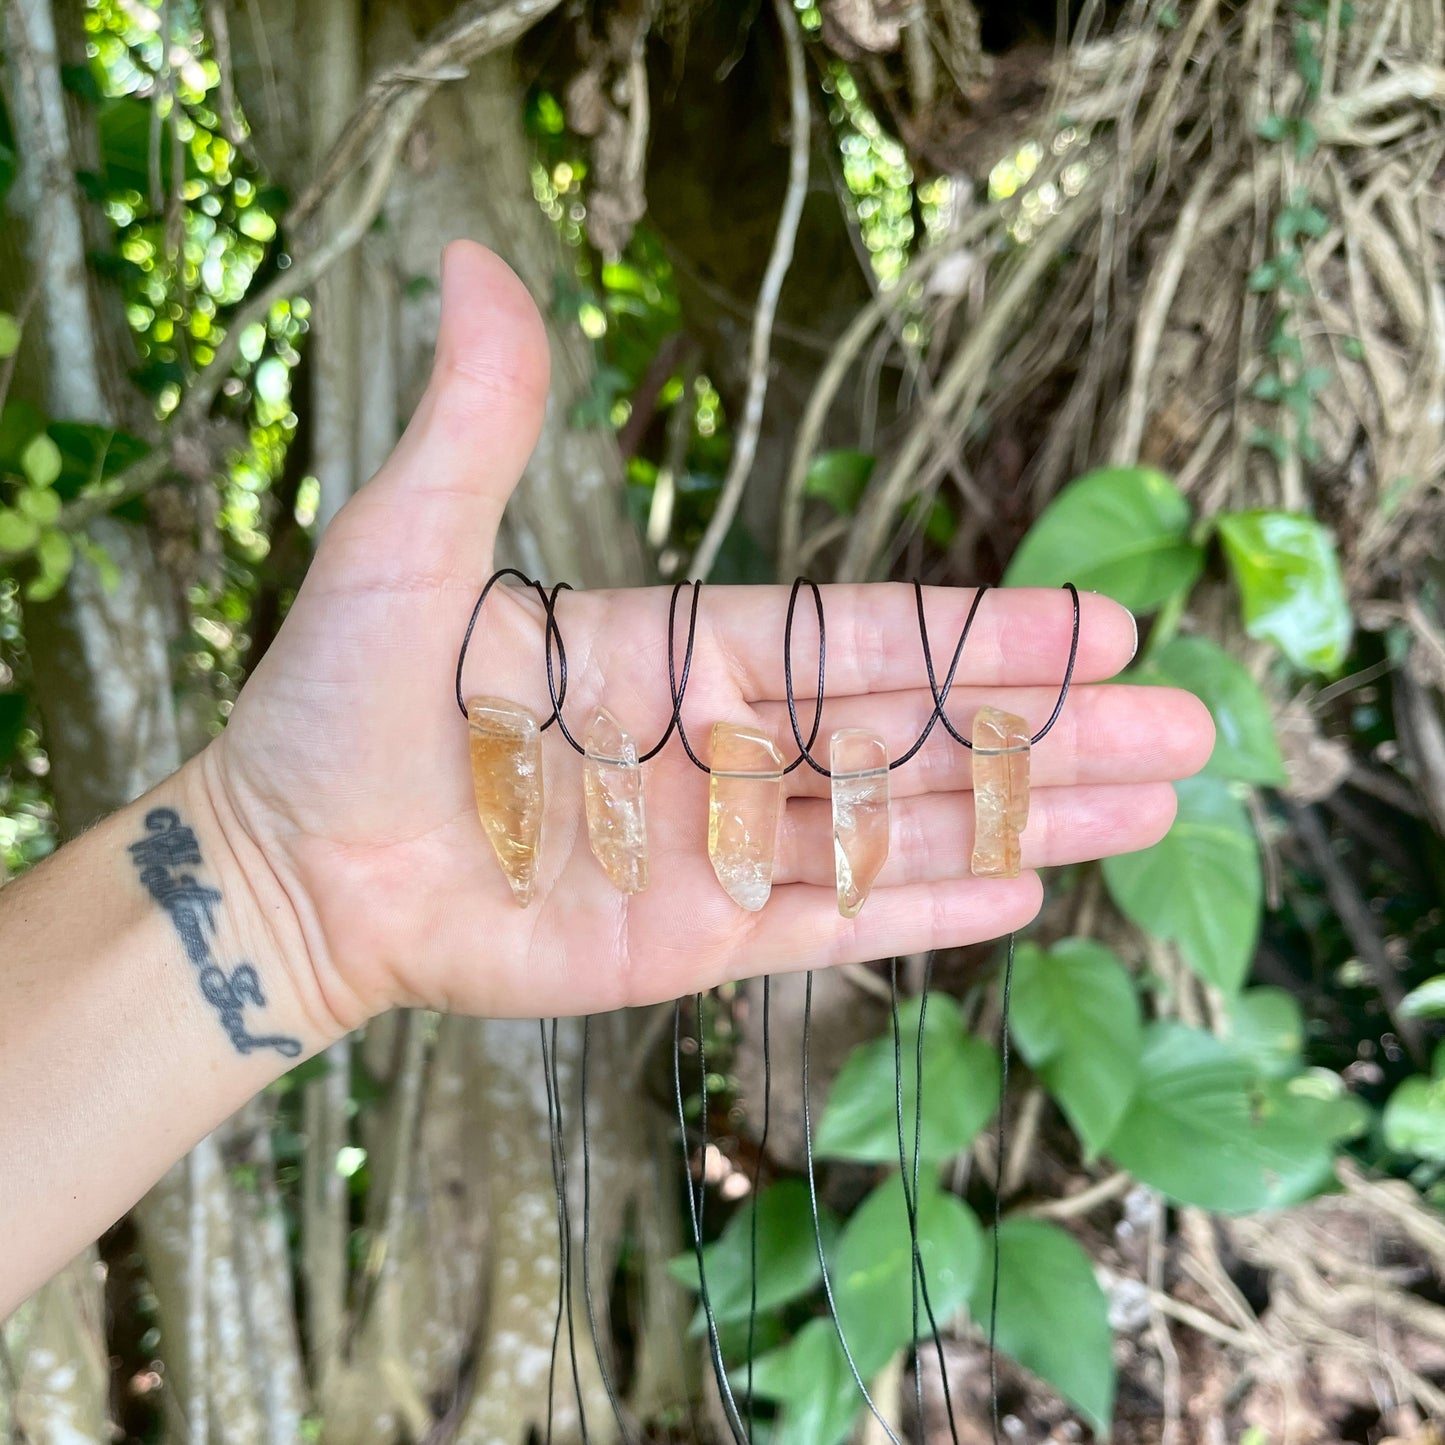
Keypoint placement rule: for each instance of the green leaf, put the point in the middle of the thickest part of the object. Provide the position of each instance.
(1204, 1129)
(872, 1281)
(40, 461)
(1267, 1030)
(839, 478)
(18, 533)
(13, 708)
(1052, 1316)
(787, 1254)
(9, 335)
(40, 504)
(1288, 574)
(1201, 885)
(810, 1377)
(960, 1090)
(91, 453)
(1122, 530)
(1076, 1018)
(1427, 1001)
(1245, 747)
(1414, 1118)
(55, 555)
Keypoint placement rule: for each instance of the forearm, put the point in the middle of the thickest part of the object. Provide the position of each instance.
(153, 977)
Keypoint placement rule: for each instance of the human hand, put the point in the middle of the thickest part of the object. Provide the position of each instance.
(345, 763)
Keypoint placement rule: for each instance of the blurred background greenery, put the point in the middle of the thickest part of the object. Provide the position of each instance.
(1144, 296)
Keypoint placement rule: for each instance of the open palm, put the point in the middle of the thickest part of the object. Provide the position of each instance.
(346, 760)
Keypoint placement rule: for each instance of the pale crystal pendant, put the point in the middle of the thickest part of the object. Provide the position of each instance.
(506, 742)
(616, 820)
(745, 794)
(1000, 792)
(858, 760)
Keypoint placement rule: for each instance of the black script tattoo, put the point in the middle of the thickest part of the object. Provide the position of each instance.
(168, 848)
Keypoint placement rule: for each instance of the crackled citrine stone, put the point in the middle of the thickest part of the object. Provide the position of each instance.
(745, 795)
(507, 776)
(858, 760)
(1000, 792)
(616, 820)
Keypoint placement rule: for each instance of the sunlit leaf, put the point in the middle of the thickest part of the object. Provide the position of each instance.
(40, 461)
(810, 1376)
(1414, 1119)
(9, 334)
(1288, 574)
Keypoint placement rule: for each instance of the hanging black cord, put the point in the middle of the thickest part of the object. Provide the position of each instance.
(564, 1223)
(812, 1180)
(548, 605)
(1008, 979)
(695, 1214)
(617, 1412)
(805, 754)
(940, 699)
(757, 1177)
(561, 1223)
(910, 1191)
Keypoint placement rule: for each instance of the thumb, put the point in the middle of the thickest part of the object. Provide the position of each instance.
(440, 495)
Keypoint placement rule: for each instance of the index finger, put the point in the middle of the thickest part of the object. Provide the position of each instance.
(1020, 637)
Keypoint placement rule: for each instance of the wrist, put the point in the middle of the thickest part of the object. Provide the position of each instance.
(269, 914)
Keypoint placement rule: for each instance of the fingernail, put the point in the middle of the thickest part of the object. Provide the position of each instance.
(1134, 623)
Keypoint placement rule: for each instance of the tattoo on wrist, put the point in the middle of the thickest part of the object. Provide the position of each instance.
(169, 847)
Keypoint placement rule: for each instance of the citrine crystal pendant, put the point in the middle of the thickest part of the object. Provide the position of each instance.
(616, 821)
(744, 796)
(858, 760)
(1000, 792)
(507, 776)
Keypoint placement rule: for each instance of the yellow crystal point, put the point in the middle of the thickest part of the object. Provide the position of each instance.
(744, 796)
(507, 776)
(1000, 792)
(616, 822)
(858, 760)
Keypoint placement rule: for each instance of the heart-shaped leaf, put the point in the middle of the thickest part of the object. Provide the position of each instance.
(1245, 747)
(1204, 1128)
(1123, 531)
(960, 1090)
(1075, 1015)
(871, 1277)
(1052, 1316)
(1201, 885)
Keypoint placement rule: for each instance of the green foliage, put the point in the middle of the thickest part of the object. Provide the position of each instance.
(839, 478)
(787, 1255)
(860, 1119)
(872, 1277)
(1291, 591)
(1427, 1001)
(1202, 886)
(1205, 1128)
(1052, 1316)
(13, 708)
(1123, 531)
(9, 335)
(1414, 1118)
(1075, 1015)
(1245, 747)
(1267, 1030)
(810, 1376)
